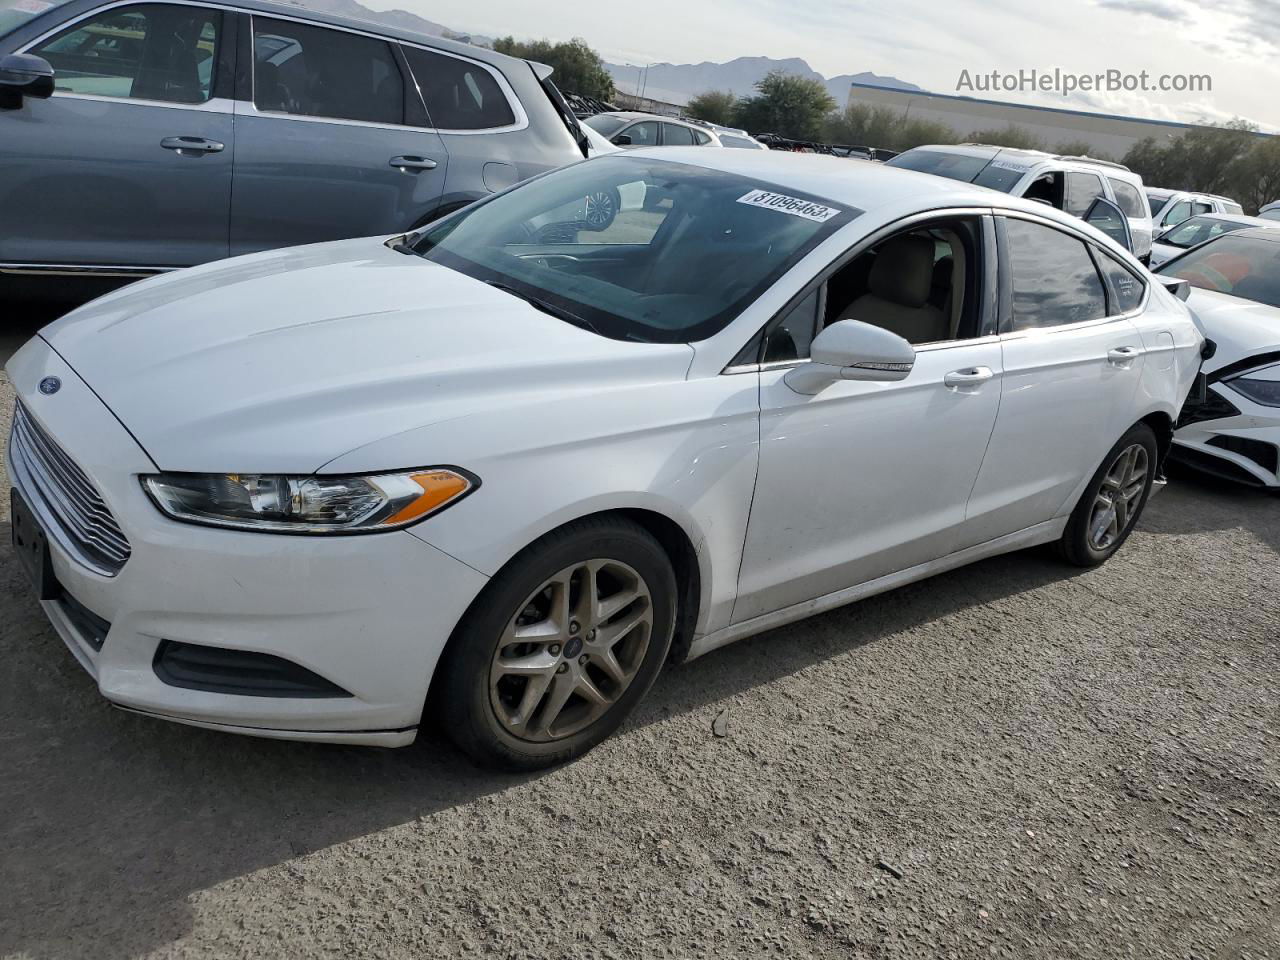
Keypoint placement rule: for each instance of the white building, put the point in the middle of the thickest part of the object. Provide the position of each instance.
(1107, 135)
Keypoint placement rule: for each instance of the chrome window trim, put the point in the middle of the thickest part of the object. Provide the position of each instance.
(219, 105)
(82, 270)
(66, 24)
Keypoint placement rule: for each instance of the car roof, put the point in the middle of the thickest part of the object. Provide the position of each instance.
(297, 12)
(1254, 233)
(1032, 157)
(1258, 222)
(863, 184)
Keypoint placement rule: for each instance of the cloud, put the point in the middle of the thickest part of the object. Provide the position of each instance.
(1170, 10)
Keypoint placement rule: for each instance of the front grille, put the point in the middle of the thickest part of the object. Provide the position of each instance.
(70, 496)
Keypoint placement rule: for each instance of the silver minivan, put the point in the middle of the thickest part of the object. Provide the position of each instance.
(140, 136)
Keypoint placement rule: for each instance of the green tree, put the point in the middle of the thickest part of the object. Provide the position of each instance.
(1013, 136)
(578, 68)
(786, 104)
(714, 106)
(1255, 178)
(1079, 148)
(1202, 158)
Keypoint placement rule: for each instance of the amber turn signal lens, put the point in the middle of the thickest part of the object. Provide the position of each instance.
(438, 488)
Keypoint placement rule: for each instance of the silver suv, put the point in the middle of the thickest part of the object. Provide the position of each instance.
(1072, 184)
(141, 136)
(630, 129)
(1171, 207)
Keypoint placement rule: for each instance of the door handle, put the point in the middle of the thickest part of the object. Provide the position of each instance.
(195, 145)
(407, 164)
(1122, 357)
(967, 379)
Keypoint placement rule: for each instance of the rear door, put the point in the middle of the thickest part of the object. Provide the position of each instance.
(1072, 364)
(129, 163)
(332, 139)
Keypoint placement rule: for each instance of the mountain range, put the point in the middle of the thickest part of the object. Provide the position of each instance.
(680, 82)
(672, 82)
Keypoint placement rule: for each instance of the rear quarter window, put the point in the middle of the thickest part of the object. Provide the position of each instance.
(459, 95)
(1128, 198)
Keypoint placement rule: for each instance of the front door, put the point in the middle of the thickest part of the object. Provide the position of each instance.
(334, 144)
(129, 163)
(866, 479)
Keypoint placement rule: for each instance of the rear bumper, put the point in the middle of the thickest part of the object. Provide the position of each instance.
(369, 614)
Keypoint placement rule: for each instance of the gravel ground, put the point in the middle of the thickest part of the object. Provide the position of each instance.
(1015, 760)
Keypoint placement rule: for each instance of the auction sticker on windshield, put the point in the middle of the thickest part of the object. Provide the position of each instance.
(792, 205)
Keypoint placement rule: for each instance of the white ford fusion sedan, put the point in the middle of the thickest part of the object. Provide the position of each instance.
(503, 469)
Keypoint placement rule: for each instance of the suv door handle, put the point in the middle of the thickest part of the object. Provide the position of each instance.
(406, 164)
(1122, 357)
(968, 378)
(196, 145)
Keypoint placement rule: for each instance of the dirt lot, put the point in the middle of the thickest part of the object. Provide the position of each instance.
(1015, 760)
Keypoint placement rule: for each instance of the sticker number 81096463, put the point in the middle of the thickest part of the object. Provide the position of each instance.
(794, 206)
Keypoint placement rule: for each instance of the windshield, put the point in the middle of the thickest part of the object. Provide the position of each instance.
(604, 124)
(14, 13)
(1245, 267)
(1197, 230)
(991, 172)
(636, 248)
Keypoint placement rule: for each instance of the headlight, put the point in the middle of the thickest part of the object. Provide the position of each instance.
(1257, 388)
(314, 504)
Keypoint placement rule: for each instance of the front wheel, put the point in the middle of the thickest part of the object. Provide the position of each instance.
(560, 647)
(1113, 501)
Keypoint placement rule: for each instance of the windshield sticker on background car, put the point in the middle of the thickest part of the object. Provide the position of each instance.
(792, 205)
(1010, 165)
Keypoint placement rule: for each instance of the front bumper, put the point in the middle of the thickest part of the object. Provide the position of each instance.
(1243, 446)
(370, 614)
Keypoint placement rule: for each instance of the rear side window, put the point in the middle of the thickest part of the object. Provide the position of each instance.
(737, 143)
(1125, 289)
(1053, 277)
(702, 138)
(317, 72)
(674, 135)
(1128, 198)
(1230, 206)
(147, 52)
(1082, 190)
(459, 95)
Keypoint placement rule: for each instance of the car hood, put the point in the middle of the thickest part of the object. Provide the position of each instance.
(282, 361)
(1240, 328)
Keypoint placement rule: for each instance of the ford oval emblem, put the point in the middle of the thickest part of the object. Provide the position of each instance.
(50, 386)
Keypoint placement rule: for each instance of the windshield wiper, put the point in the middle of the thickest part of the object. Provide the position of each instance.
(548, 308)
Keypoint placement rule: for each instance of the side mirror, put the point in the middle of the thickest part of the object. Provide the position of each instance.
(23, 75)
(1110, 219)
(1178, 287)
(622, 140)
(852, 350)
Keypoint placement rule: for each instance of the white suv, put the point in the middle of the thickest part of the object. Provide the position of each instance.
(1171, 207)
(1071, 184)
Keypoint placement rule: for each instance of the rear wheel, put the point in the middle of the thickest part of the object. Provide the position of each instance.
(1113, 501)
(560, 647)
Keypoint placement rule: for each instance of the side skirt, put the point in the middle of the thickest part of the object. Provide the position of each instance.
(1045, 532)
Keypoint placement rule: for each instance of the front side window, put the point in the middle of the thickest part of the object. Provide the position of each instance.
(924, 284)
(311, 71)
(1053, 277)
(665, 268)
(459, 95)
(1128, 198)
(1177, 213)
(147, 52)
(1082, 190)
(1246, 267)
(642, 134)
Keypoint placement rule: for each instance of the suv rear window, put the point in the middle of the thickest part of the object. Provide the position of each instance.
(459, 95)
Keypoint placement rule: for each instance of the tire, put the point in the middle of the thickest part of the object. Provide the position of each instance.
(512, 687)
(1086, 542)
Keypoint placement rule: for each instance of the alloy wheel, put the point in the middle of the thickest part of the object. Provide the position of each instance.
(1115, 506)
(571, 650)
(600, 209)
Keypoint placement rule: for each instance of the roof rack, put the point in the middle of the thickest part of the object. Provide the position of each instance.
(1101, 163)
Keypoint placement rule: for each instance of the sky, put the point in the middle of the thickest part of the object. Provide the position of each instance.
(929, 42)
